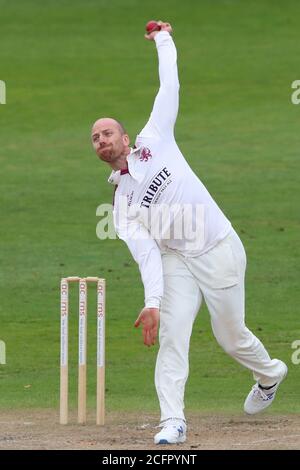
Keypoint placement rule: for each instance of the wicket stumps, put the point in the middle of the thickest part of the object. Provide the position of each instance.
(82, 347)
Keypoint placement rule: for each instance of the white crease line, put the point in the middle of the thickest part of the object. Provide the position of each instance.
(269, 440)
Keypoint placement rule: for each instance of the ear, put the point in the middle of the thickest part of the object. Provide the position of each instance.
(126, 140)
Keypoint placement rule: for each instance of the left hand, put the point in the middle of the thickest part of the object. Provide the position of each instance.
(163, 27)
(149, 318)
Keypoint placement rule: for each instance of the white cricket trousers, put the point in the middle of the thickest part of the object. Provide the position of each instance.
(217, 277)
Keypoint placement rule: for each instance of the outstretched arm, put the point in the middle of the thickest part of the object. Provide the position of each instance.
(163, 117)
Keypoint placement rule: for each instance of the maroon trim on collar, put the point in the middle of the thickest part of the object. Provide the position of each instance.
(125, 171)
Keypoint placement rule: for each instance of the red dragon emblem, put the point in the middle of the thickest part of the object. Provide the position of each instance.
(145, 154)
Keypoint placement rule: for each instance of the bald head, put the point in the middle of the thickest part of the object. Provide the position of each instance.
(110, 141)
(110, 122)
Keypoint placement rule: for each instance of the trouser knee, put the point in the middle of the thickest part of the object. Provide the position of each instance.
(234, 343)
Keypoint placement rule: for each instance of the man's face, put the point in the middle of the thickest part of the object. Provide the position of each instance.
(108, 140)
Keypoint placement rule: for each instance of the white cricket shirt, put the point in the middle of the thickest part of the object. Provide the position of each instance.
(160, 204)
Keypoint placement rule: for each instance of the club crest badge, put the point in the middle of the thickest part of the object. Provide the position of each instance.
(145, 154)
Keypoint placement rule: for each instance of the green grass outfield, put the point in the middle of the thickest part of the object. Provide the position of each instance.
(66, 63)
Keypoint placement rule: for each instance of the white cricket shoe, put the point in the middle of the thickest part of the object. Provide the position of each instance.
(260, 398)
(171, 433)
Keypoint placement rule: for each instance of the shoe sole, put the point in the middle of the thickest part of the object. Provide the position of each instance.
(180, 440)
(285, 374)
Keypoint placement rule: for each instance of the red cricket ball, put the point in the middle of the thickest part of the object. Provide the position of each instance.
(152, 26)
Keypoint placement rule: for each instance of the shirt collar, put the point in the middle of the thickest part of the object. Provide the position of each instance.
(116, 175)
